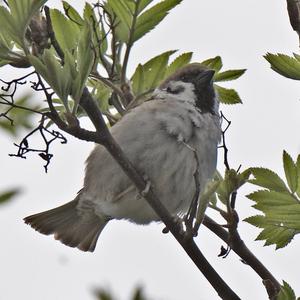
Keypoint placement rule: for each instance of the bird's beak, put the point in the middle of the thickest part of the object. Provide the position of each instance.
(206, 77)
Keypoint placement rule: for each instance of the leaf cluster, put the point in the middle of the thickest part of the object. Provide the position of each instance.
(93, 50)
(279, 202)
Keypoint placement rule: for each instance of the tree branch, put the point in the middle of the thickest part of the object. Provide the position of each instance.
(235, 242)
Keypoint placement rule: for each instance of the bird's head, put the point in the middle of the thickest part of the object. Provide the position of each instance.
(192, 83)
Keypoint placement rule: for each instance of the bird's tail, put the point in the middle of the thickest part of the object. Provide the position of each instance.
(68, 226)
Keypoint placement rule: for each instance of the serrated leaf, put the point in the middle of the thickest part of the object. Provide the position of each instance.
(72, 14)
(290, 170)
(66, 31)
(281, 219)
(214, 63)
(8, 195)
(272, 234)
(268, 179)
(227, 96)
(229, 75)
(152, 73)
(178, 63)
(286, 292)
(297, 56)
(285, 65)
(152, 17)
(271, 199)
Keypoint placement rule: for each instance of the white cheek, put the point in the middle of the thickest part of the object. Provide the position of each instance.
(187, 94)
(159, 94)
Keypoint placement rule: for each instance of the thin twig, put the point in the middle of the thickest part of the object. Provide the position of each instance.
(226, 163)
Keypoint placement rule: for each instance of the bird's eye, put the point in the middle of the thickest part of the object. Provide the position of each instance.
(175, 90)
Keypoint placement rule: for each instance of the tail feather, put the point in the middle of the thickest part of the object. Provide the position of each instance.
(68, 226)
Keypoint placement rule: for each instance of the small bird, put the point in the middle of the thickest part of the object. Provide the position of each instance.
(160, 137)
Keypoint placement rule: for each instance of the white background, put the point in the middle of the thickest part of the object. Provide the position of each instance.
(36, 267)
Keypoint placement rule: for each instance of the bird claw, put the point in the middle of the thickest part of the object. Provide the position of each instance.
(146, 189)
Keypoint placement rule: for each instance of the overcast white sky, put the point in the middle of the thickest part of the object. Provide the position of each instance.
(37, 267)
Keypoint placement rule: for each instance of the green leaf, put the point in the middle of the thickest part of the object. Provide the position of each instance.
(66, 31)
(121, 28)
(290, 170)
(122, 11)
(230, 183)
(268, 179)
(138, 80)
(58, 77)
(281, 219)
(16, 21)
(179, 62)
(227, 96)
(297, 56)
(72, 14)
(271, 200)
(8, 27)
(152, 17)
(213, 63)
(286, 292)
(8, 195)
(143, 4)
(272, 233)
(152, 73)
(101, 93)
(85, 60)
(285, 65)
(298, 175)
(229, 75)
(99, 36)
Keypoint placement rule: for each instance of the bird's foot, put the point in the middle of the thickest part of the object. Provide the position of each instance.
(146, 189)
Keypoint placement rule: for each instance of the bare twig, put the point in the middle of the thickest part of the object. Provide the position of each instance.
(226, 163)
(23, 147)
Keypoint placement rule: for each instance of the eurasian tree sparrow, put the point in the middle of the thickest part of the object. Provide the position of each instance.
(160, 138)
